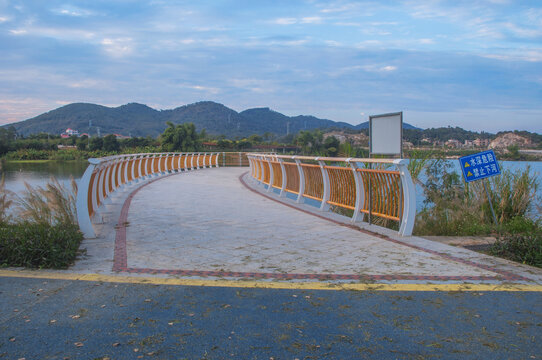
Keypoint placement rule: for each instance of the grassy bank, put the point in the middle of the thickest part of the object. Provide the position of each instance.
(453, 208)
(38, 228)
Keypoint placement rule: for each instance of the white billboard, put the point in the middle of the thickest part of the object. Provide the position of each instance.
(386, 134)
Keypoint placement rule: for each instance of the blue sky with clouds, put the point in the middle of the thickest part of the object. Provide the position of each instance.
(475, 64)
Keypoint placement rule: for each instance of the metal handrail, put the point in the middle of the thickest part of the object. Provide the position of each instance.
(106, 175)
(385, 193)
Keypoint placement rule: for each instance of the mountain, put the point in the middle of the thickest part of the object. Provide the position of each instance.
(406, 126)
(140, 120)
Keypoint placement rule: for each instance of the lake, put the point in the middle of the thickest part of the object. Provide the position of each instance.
(38, 173)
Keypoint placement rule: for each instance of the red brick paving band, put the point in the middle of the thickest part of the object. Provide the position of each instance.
(120, 260)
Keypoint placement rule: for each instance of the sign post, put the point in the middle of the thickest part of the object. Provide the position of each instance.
(480, 166)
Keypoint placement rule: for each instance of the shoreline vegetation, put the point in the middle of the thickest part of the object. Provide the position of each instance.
(451, 207)
(38, 228)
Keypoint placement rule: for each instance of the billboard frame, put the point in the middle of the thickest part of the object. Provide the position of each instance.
(371, 133)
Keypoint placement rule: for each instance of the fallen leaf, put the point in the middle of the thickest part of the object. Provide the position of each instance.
(170, 323)
(116, 344)
(75, 316)
(21, 359)
(15, 310)
(102, 306)
(78, 344)
(191, 314)
(136, 350)
(12, 339)
(148, 300)
(52, 321)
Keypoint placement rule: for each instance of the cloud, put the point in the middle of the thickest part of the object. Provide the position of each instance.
(58, 33)
(118, 47)
(523, 32)
(4, 19)
(303, 20)
(285, 21)
(18, 31)
(203, 88)
(311, 20)
(70, 10)
(254, 85)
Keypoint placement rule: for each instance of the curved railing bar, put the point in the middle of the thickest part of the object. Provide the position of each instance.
(394, 197)
(106, 175)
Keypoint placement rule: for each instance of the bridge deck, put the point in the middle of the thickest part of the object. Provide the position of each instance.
(209, 223)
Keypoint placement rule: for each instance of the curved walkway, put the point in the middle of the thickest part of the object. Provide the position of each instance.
(216, 223)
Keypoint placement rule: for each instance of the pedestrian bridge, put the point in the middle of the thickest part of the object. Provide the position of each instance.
(282, 218)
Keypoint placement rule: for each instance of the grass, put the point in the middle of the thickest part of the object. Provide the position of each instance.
(43, 230)
(39, 245)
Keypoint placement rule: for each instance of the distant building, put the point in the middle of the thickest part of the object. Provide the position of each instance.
(71, 132)
(119, 136)
(453, 143)
(481, 142)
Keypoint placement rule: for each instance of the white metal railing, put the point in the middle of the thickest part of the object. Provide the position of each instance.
(374, 187)
(105, 175)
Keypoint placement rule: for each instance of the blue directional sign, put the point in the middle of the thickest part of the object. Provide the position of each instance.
(479, 166)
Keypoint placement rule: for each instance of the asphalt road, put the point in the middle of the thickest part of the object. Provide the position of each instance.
(66, 319)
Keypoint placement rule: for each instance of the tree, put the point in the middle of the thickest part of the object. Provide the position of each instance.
(96, 143)
(182, 137)
(82, 143)
(331, 145)
(110, 143)
(255, 139)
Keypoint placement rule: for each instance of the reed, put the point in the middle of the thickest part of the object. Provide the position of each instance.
(6, 201)
(54, 204)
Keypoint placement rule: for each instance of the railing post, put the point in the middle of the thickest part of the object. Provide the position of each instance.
(107, 175)
(325, 179)
(300, 199)
(360, 192)
(141, 158)
(283, 186)
(409, 199)
(192, 161)
(270, 188)
(134, 158)
(82, 202)
(240, 159)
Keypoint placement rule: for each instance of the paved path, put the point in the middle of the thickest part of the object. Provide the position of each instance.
(210, 224)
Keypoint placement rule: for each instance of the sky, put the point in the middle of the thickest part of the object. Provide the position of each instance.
(476, 64)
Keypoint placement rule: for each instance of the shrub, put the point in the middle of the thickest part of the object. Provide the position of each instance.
(39, 245)
(523, 248)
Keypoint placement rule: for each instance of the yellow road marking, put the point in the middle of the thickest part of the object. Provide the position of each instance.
(316, 285)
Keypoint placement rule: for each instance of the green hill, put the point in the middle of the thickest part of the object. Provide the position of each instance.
(140, 120)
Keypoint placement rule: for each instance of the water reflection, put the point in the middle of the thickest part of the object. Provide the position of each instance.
(39, 173)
